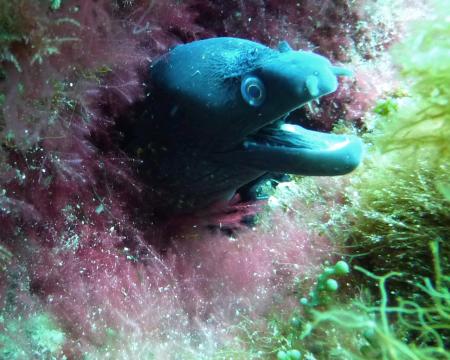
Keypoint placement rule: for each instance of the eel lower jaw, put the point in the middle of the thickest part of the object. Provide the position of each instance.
(288, 148)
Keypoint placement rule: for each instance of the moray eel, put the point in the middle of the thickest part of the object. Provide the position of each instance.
(220, 123)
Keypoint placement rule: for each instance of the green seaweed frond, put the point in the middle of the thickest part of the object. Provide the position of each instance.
(422, 122)
(421, 329)
(396, 211)
(399, 197)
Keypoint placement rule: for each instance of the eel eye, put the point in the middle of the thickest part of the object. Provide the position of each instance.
(253, 91)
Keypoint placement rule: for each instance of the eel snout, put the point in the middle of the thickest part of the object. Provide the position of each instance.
(319, 84)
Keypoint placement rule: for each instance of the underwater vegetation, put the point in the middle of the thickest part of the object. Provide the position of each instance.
(351, 268)
(394, 222)
(405, 202)
(35, 337)
(402, 217)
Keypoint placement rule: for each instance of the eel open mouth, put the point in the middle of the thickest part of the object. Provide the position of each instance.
(288, 148)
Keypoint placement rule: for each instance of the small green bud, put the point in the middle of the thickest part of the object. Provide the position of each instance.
(303, 301)
(369, 352)
(331, 285)
(296, 322)
(366, 350)
(282, 355)
(369, 335)
(294, 354)
(341, 268)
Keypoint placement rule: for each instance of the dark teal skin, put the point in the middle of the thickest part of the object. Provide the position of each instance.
(223, 126)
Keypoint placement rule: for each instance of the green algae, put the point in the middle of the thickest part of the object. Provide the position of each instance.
(406, 328)
(401, 203)
(399, 209)
(35, 337)
(397, 221)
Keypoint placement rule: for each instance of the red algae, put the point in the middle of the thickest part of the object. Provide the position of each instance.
(79, 234)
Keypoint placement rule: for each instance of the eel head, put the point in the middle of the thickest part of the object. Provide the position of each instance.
(280, 85)
(228, 103)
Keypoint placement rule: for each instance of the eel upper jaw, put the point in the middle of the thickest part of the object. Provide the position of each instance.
(288, 148)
